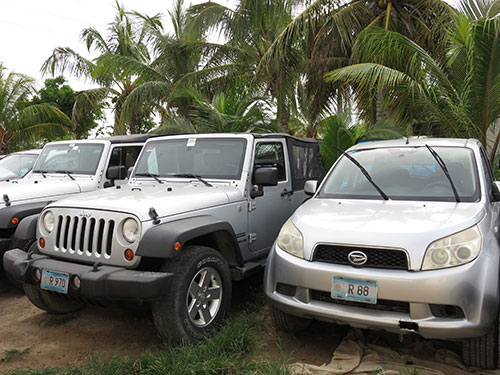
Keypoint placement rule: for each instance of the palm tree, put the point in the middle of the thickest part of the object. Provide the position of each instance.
(20, 122)
(326, 31)
(126, 45)
(248, 31)
(459, 92)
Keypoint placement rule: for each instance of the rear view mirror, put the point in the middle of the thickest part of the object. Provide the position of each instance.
(263, 177)
(118, 172)
(310, 187)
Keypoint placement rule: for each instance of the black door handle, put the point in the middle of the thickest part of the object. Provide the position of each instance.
(286, 193)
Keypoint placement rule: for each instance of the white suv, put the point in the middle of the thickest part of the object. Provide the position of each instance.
(402, 236)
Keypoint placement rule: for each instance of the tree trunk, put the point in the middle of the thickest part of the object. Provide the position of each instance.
(381, 111)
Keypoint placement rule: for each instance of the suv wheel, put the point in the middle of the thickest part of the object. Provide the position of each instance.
(198, 298)
(51, 302)
(286, 322)
(27, 246)
(482, 352)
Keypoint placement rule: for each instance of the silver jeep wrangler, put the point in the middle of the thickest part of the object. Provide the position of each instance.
(199, 211)
(401, 236)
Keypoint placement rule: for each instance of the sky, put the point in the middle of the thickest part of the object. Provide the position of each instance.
(31, 29)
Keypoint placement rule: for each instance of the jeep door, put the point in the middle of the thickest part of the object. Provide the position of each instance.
(268, 212)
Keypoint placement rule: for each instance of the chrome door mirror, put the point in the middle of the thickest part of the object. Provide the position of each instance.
(310, 187)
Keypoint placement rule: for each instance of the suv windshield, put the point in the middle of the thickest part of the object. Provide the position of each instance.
(16, 166)
(75, 158)
(205, 157)
(406, 173)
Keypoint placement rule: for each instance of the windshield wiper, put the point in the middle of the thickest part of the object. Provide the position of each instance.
(441, 163)
(41, 172)
(67, 173)
(190, 175)
(365, 173)
(147, 174)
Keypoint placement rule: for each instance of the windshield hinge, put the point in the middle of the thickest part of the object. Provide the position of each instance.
(251, 206)
(252, 237)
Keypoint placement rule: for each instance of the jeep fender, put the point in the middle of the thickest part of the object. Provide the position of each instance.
(20, 211)
(158, 242)
(26, 230)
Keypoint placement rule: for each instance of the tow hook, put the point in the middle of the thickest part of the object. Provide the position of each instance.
(409, 326)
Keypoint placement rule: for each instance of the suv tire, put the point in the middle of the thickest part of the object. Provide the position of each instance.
(51, 302)
(482, 352)
(25, 245)
(286, 322)
(191, 310)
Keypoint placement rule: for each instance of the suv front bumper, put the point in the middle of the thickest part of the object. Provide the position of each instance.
(106, 283)
(472, 287)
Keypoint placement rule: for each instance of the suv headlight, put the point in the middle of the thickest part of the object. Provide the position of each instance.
(459, 248)
(48, 221)
(130, 230)
(290, 239)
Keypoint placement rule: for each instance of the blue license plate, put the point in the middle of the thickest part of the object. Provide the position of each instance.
(354, 290)
(55, 281)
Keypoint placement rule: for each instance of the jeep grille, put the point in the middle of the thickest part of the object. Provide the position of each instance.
(91, 236)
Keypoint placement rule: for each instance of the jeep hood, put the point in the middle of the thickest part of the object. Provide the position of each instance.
(167, 199)
(38, 189)
(398, 224)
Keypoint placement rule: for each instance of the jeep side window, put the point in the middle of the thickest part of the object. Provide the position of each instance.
(124, 156)
(271, 155)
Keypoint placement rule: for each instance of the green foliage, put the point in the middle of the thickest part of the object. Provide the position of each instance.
(62, 96)
(11, 354)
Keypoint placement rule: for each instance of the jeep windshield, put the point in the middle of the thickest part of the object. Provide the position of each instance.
(72, 158)
(216, 158)
(16, 166)
(405, 173)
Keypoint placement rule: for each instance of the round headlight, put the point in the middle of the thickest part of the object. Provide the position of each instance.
(130, 230)
(48, 221)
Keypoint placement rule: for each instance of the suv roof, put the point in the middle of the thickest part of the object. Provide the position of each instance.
(421, 141)
(125, 138)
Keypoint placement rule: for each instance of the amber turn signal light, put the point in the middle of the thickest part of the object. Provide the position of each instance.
(14, 220)
(128, 255)
(177, 246)
(41, 242)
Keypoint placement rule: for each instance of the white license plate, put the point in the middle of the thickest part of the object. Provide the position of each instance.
(354, 290)
(55, 281)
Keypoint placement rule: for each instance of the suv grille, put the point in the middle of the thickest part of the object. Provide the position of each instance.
(376, 258)
(89, 236)
(382, 304)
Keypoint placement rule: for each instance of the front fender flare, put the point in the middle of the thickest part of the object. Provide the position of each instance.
(20, 211)
(26, 230)
(158, 242)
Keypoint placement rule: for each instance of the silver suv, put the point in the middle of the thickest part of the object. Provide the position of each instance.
(199, 211)
(401, 236)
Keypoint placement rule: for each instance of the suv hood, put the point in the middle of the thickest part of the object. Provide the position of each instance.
(167, 199)
(397, 224)
(37, 189)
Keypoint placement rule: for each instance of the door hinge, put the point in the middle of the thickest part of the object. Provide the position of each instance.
(251, 206)
(252, 237)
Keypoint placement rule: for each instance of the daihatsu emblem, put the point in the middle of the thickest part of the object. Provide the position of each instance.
(357, 258)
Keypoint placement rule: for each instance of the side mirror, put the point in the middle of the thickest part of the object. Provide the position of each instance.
(116, 173)
(263, 177)
(310, 187)
(496, 191)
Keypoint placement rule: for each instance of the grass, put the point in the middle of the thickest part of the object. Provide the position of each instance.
(57, 320)
(11, 354)
(226, 353)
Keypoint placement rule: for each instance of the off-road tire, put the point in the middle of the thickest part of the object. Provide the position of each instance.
(170, 313)
(25, 245)
(482, 352)
(51, 302)
(286, 322)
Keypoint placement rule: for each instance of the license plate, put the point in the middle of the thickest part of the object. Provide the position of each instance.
(354, 290)
(55, 281)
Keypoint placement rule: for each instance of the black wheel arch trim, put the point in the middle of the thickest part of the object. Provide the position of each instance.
(158, 242)
(20, 211)
(26, 230)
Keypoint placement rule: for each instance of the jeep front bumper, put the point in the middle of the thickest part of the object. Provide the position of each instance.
(104, 283)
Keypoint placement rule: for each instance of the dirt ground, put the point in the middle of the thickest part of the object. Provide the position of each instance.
(71, 339)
